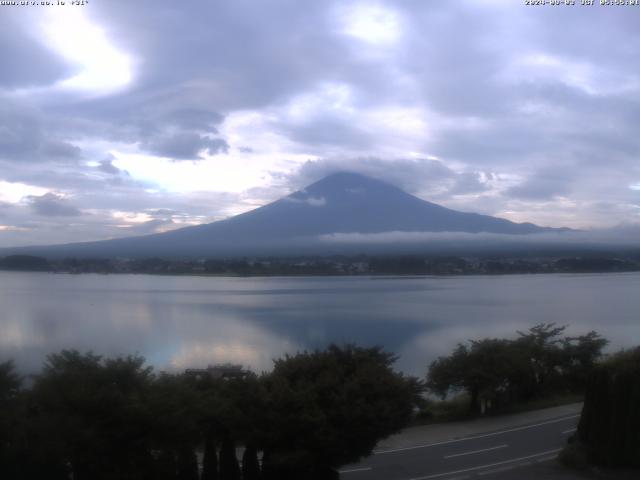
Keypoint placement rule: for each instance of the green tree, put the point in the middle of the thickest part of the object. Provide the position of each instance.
(328, 408)
(231, 409)
(582, 354)
(90, 414)
(485, 370)
(542, 346)
(538, 362)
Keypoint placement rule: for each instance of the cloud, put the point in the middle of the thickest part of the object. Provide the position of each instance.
(421, 176)
(303, 198)
(152, 226)
(107, 166)
(185, 146)
(193, 119)
(24, 136)
(52, 205)
(542, 185)
(622, 236)
(18, 44)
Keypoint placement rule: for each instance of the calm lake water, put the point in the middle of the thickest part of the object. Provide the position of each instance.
(179, 322)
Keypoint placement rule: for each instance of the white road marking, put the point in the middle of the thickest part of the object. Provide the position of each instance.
(476, 451)
(571, 430)
(481, 467)
(516, 429)
(353, 470)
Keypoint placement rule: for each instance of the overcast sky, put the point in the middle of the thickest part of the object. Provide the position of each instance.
(128, 117)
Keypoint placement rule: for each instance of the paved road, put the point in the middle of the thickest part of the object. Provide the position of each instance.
(477, 456)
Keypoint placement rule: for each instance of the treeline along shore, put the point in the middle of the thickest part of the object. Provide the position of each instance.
(336, 265)
(84, 416)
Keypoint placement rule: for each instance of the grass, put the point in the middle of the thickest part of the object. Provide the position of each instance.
(554, 400)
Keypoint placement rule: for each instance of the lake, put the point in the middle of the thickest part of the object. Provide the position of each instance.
(183, 321)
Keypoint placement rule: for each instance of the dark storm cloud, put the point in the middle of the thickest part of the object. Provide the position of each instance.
(52, 205)
(185, 146)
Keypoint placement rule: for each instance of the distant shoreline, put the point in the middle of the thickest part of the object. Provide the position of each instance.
(358, 265)
(323, 275)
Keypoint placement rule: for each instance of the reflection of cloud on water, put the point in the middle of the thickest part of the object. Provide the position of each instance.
(17, 335)
(239, 344)
(201, 354)
(178, 322)
(416, 355)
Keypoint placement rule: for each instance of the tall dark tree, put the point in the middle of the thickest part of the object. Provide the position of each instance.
(91, 414)
(232, 407)
(210, 458)
(250, 464)
(229, 468)
(582, 354)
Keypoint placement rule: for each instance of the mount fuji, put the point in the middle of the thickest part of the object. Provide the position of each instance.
(341, 203)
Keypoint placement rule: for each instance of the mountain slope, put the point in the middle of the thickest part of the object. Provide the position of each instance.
(340, 203)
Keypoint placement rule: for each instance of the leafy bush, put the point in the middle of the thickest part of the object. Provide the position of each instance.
(609, 426)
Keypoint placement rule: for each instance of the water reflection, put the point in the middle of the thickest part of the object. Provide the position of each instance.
(178, 322)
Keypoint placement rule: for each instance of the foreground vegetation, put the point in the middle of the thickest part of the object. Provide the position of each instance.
(609, 430)
(87, 417)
